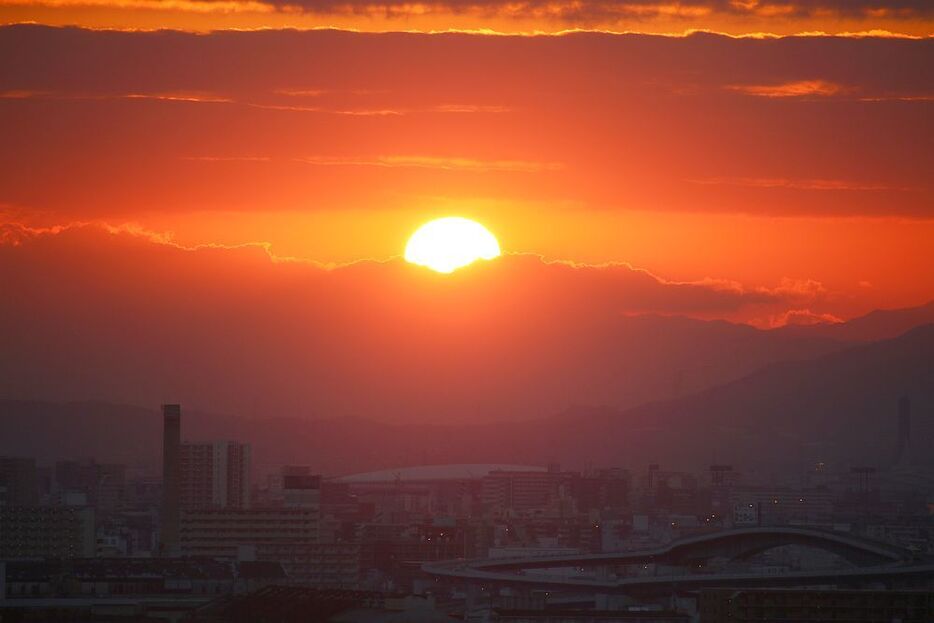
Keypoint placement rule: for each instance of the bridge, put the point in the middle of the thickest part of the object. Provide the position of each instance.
(870, 560)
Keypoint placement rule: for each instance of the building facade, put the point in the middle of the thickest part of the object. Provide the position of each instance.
(46, 532)
(228, 532)
(214, 475)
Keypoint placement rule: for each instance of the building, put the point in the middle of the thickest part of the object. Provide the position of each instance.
(780, 507)
(103, 486)
(46, 532)
(214, 475)
(815, 606)
(418, 493)
(229, 532)
(607, 489)
(568, 615)
(171, 482)
(903, 447)
(519, 491)
(320, 565)
(122, 578)
(19, 483)
(745, 515)
(300, 488)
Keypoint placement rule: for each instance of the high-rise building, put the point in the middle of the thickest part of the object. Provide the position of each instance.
(214, 475)
(171, 444)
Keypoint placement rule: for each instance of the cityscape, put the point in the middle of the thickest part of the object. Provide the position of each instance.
(205, 541)
(477, 311)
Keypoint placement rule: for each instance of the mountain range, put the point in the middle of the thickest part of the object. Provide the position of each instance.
(839, 407)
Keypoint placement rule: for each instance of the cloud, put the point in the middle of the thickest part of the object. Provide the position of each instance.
(193, 6)
(434, 162)
(800, 317)
(800, 88)
(589, 11)
(798, 184)
(818, 89)
(216, 98)
(190, 97)
(798, 289)
(606, 134)
(228, 158)
(752, 18)
(226, 327)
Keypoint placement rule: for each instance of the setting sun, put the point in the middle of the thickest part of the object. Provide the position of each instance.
(446, 244)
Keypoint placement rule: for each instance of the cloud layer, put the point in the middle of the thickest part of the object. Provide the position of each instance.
(738, 17)
(96, 122)
(129, 315)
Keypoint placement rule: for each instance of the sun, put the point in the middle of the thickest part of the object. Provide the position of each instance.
(449, 243)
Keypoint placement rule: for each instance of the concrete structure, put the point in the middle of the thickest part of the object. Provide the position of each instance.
(453, 489)
(873, 561)
(300, 488)
(782, 507)
(517, 491)
(103, 485)
(171, 483)
(46, 532)
(225, 533)
(433, 473)
(815, 606)
(320, 565)
(745, 515)
(19, 484)
(214, 475)
(903, 447)
(126, 589)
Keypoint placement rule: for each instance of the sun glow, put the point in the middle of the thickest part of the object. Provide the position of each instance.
(449, 243)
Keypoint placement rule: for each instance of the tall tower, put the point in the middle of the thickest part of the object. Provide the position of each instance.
(903, 449)
(171, 468)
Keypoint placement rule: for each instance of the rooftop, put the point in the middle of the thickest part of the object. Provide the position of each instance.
(460, 471)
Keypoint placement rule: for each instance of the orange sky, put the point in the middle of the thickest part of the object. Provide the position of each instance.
(736, 17)
(734, 160)
(218, 215)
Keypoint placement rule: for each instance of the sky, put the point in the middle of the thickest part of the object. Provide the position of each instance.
(246, 173)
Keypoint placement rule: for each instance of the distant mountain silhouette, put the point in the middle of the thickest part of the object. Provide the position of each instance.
(880, 324)
(838, 408)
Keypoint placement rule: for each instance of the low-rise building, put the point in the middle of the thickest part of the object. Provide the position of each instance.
(46, 532)
(220, 533)
(815, 606)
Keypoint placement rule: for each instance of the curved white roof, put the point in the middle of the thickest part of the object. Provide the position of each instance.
(461, 471)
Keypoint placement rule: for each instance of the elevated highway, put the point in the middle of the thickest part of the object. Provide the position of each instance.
(871, 562)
